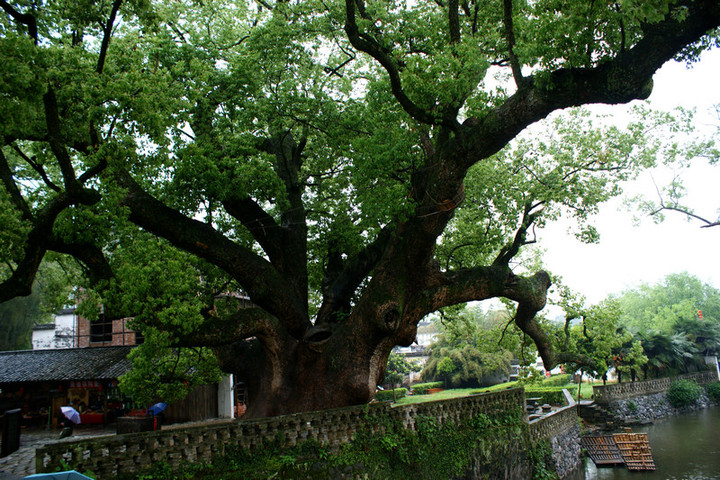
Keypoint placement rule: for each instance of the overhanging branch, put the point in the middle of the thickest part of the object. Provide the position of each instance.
(622, 79)
(263, 283)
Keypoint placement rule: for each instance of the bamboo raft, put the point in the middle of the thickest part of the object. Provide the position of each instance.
(635, 450)
(631, 449)
(602, 449)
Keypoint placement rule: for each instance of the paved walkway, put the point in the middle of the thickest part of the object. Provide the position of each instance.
(21, 463)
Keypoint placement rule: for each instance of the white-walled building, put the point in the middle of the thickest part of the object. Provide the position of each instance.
(60, 334)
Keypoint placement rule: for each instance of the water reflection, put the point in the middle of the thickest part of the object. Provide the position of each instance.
(684, 448)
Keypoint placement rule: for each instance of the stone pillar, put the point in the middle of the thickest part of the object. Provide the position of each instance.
(225, 397)
(712, 360)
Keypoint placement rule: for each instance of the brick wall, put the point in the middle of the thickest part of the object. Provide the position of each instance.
(121, 334)
(605, 394)
(125, 455)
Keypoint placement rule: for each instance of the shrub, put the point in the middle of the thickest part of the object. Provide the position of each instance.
(632, 406)
(683, 393)
(557, 380)
(387, 395)
(713, 390)
(422, 388)
(551, 395)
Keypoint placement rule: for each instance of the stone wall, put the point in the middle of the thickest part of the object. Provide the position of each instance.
(606, 394)
(648, 408)
(562, 430)
(125, 455)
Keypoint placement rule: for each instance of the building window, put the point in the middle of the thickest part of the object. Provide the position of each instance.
(101, 330)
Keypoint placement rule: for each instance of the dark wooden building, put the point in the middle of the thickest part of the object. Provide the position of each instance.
(39, 382)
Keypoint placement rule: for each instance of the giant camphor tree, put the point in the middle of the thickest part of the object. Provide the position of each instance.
(345, 167)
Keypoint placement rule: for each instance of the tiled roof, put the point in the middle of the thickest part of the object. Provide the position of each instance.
(44, 326)
(101, 363)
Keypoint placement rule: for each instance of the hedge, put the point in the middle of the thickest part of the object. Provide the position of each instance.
(387, 395)
(557, 380)
(422, 388)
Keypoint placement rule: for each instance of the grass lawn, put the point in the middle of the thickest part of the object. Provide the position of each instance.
(444, 395)
(586, 391)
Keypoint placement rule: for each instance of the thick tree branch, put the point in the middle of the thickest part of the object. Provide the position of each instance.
(21, 281)
(90, 257)
(25, 18)
(291, 259)
(340, 286)
(510, 38)
(226, 328)
(8, 181)
(52, 119)
(481, 283)
(265, 286)
(261, 225)
(454, 21)
(37, 244)
(509, 251)
(625, 78)
(107, 33)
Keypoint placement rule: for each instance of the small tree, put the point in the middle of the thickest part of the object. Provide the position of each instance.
(398, 367)
(445, 369)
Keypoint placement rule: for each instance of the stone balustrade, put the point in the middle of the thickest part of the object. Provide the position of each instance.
(122, 456)
(605, 394)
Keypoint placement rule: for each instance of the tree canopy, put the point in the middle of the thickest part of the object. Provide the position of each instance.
(659, 329)
(345, 167)
(669, 305)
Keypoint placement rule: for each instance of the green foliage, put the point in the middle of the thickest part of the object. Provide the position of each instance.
(594, 337)
(542, 461)
(390, 395)
(165, 373)
(667, 353)
(550, 395)
(632, 406)
(468, 352)
(199, 149)
(398, 368)
(422, 388)
(683, 393)
(557, 380)
(670, 304)
(713, 390)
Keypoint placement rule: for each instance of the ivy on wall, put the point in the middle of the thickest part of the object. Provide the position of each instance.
(385, 450)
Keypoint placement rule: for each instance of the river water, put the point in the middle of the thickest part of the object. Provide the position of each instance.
(686, 447)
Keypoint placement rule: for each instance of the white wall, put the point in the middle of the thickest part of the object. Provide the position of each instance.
(63, 336)
(43, 339)
(225, 397)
